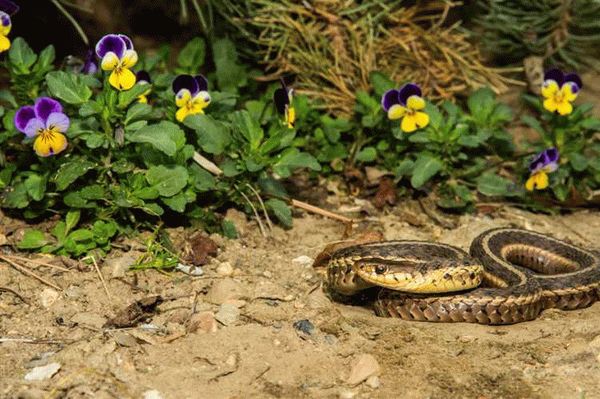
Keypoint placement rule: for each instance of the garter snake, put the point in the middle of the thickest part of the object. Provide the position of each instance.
(510, 276)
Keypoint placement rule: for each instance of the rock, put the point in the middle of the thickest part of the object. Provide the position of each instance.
(231, 360)
(89, 319)
(228, 314)
(225, 269)
(373, 382)
(347, 394)
(48, 296)
(365, 366)
(39, 360)
(191, 270)
(124, 339)
(42, 372)
(304, 326)
(303, 260)
(120, 265)
(223, 290)
(203, 322)
(238, 303)
(153, 394)
(179, 316)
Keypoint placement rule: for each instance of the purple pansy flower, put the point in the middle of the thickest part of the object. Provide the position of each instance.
(143, 77)
(118, 56)
(46, 122)
(543, 163)
(560, 90)
(7, 8)
(191, 95)
(406, 104)
(283, 98)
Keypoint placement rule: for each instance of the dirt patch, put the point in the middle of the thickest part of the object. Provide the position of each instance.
(279, 335)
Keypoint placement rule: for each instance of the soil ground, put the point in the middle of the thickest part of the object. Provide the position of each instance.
(261, 354)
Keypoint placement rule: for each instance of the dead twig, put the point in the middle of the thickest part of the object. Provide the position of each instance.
(256, 215)
(206, 164)
(28, 272)
(100, 276)
(262, 205)
(320, 211)
(34, 340)
(15, 293)
(36, 262)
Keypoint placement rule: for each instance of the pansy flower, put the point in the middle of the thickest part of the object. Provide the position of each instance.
(90, 65)
(560, 90)
(46, 122)
(406, 104)
(283, 98)
(118, 56)
(545, 162)
(7, 8)
(143, 77)
(191, 95)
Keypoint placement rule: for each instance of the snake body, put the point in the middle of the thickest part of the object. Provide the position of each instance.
(521, 273)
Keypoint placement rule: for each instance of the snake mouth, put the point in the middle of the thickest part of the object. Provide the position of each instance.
(430, 277)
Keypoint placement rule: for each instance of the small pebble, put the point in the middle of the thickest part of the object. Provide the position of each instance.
(48, 296)
(303, 260)
(364, 367)
(373, 382)
(347, 394)
(228, 314)
(153, 394)
(231, 360)
(304, 326)
(225, 269)
(191, 270)
(267, 274)
(124, 339)
(42, 372)
(203, 322)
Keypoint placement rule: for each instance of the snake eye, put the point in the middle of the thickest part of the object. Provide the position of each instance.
(380, 269)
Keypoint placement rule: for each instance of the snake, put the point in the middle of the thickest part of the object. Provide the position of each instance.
(510, 275)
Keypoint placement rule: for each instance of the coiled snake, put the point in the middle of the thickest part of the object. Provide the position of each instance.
(510, 276)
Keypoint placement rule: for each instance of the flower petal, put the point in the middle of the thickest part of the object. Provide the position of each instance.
(556, 75)
(111, 43)
(546, 160)
(409, 123)
(143, 77)
(281, 100)
(415, 103)
(57, 122)
(44, 106)
(537, 181)
(23, 116)
(574, 79)
(182, 113)
(552, 154)
(202, 98)
(290, 117)
(408, 90)
(389, 99)
(396, 111)
(34, 127)
(127, 41)
(4, 43)
(129, 59)
(569, 91)
(202, 82)
(5, 23)
(9, 7)
(422, 119)
(549, 88)
(550, 104)
(122, 79)
(185, 82)
(564, 107)
(49, 143)
(182, 97)
(110, 61)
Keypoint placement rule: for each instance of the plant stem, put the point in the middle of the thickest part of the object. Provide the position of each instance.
(73, 22)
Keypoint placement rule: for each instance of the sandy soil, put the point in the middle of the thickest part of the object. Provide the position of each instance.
(260, 353)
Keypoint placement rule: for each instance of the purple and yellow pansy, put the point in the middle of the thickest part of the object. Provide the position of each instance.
(46, 122)
(283, 98)
(560, 90)
(191, 95)
(7, 8)
(407, 104)
(143, 77)
(543, 163)
(117, 55)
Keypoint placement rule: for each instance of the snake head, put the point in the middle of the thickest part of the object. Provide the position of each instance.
(435, 275)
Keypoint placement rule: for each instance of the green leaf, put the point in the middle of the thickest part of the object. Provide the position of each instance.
(533, 123)
(591, 124)
(16, 198)
(404, 168)
(249, 128)
(481, 104)
(292, 159)
(129, 96)
(213, 136)
(167, 180)
(367, 154)
(71, 220)
(45, 59)
(36, 186)
(177, 202)
(425, 167)
(71, 171)
(32, 239)
(230, 75)
(81, 235)
(68, 87)
(281, 210)
(229, 229)
(137, 111)
(192, 55)
(201, 180)
(21, 56)
(90, 108)
(381, 82)
(492, 185)
(104, 230)
(578, 162)
(162, 136)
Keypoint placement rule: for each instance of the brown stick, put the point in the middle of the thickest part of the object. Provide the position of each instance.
(206, 164)
(15, 293)
(24, 270)
(100, 275)
(320, 211)
(36, 262)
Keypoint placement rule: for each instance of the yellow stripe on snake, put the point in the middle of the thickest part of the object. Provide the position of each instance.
(510, 276)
